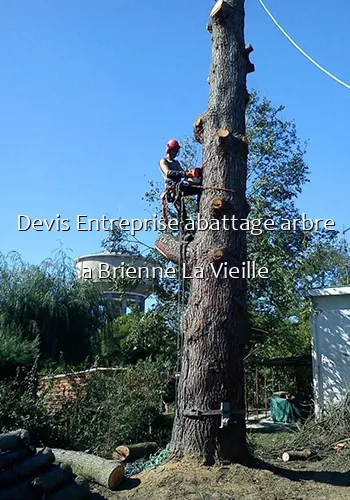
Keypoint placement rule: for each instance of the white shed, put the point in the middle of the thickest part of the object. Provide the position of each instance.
(330, 345)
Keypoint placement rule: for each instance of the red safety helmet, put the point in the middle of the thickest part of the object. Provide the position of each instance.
(172, 144)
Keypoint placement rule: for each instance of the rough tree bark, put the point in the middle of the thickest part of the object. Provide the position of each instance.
(108, 473)
(214, 325)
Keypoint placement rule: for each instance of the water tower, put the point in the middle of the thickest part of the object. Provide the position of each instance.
(102, 267)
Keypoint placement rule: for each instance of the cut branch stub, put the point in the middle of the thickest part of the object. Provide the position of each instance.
(223, 135)
(209, 27)
(218, 255)
(219, 11)
(250, 67)
(198, 129)
(217, 205)
(248, 49)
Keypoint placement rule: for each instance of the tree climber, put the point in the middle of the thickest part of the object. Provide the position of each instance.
(178, 182)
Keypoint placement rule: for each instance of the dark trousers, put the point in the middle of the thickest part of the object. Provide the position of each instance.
(185, 190)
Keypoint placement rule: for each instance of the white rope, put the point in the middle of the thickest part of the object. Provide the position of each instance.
(300, 49)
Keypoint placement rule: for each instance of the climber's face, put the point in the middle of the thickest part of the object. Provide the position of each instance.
(173, 153)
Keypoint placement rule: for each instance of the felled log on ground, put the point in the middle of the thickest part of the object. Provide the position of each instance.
(28, 468)
(12, 457)
(133, 452)
(77, 490)
(21, 491)
(107, 473)
(289, 456)
(14, 440)
(56, 477)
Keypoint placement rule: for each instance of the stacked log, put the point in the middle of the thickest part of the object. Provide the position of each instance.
(30, 474)
(133, 452)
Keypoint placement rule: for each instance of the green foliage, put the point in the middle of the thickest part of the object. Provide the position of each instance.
(118, 241)
(15, 350)
(276, 174)
(20, 409)
(48, 302)
(108, 410)
(296, 260)
(276, 166)
(138, 336)
(115, 410)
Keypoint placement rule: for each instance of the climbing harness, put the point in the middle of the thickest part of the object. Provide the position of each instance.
(171, 194)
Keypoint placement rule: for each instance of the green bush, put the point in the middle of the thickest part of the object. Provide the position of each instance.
(111, 410)
(20, 409)
(49, 302)
(15, 350)
(108, 411)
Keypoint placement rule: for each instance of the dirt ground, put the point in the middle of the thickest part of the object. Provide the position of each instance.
(272, 480)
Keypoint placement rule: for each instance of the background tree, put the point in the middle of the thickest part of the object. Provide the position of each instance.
(297, 260)
(49, 303)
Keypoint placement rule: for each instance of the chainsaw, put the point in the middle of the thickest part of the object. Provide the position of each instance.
(194, 176)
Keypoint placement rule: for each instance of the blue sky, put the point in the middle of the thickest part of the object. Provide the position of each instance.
(91, 91)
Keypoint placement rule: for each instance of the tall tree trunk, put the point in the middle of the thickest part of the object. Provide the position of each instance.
(214, 324)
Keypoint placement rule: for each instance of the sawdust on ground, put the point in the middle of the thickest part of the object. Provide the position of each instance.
(261, 481)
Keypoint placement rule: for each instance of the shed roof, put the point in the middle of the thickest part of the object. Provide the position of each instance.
(324, 292)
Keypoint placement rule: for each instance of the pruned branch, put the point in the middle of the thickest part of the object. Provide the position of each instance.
(223, 133)
(248, 49)
(219, 11)
(223, 136)
(169, 247)
(198, 129)
(250, 67)
(218, 255)
(217, 205)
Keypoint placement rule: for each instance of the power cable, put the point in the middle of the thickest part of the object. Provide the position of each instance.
(300, 49)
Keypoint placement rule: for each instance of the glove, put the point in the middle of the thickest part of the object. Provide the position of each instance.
(175, 175)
